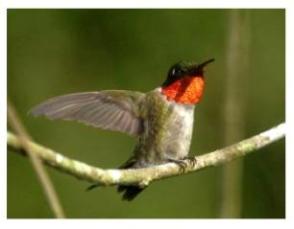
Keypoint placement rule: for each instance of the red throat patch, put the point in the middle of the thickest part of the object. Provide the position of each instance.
(187, 90)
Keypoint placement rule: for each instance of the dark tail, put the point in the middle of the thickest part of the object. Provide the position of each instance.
(92, 186)
(129, 192)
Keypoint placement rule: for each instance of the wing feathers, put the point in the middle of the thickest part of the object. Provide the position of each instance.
(110, 110)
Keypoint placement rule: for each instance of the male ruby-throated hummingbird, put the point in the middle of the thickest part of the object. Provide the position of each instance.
(161, 120)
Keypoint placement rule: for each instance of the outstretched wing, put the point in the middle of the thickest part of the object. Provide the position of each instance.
(110, 110)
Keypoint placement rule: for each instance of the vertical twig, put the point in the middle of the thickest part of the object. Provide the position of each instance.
(234, 104)
(44, 178)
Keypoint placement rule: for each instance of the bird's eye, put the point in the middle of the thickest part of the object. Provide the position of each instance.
(176, 71)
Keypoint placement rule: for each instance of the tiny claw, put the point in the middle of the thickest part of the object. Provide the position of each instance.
(192, 160)
(181, 163)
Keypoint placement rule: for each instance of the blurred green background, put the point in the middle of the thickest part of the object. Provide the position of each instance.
(54, 52)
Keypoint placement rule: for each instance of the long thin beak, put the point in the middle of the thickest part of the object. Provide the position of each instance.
(198, 69)
(201, 66)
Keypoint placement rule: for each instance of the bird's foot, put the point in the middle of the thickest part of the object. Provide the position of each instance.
(192, 160)
(182, 163)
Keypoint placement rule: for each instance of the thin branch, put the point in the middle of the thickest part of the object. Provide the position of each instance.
(24, 141)
(238, 59)
(146, 175)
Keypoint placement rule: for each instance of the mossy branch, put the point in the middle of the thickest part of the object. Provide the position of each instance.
(144, 176)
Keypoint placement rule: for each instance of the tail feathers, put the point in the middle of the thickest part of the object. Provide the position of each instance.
(130, 191)
(92, 186)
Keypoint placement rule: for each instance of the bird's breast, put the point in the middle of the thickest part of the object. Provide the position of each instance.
(168, 129)
(179, 131)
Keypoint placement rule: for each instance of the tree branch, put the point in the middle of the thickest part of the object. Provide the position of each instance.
(146, 175)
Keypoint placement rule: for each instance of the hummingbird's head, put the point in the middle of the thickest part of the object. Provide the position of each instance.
(185, 82)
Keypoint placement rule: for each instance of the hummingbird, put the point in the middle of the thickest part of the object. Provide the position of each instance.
(161, 119)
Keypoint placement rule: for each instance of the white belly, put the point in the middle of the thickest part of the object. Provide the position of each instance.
(178, 138)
